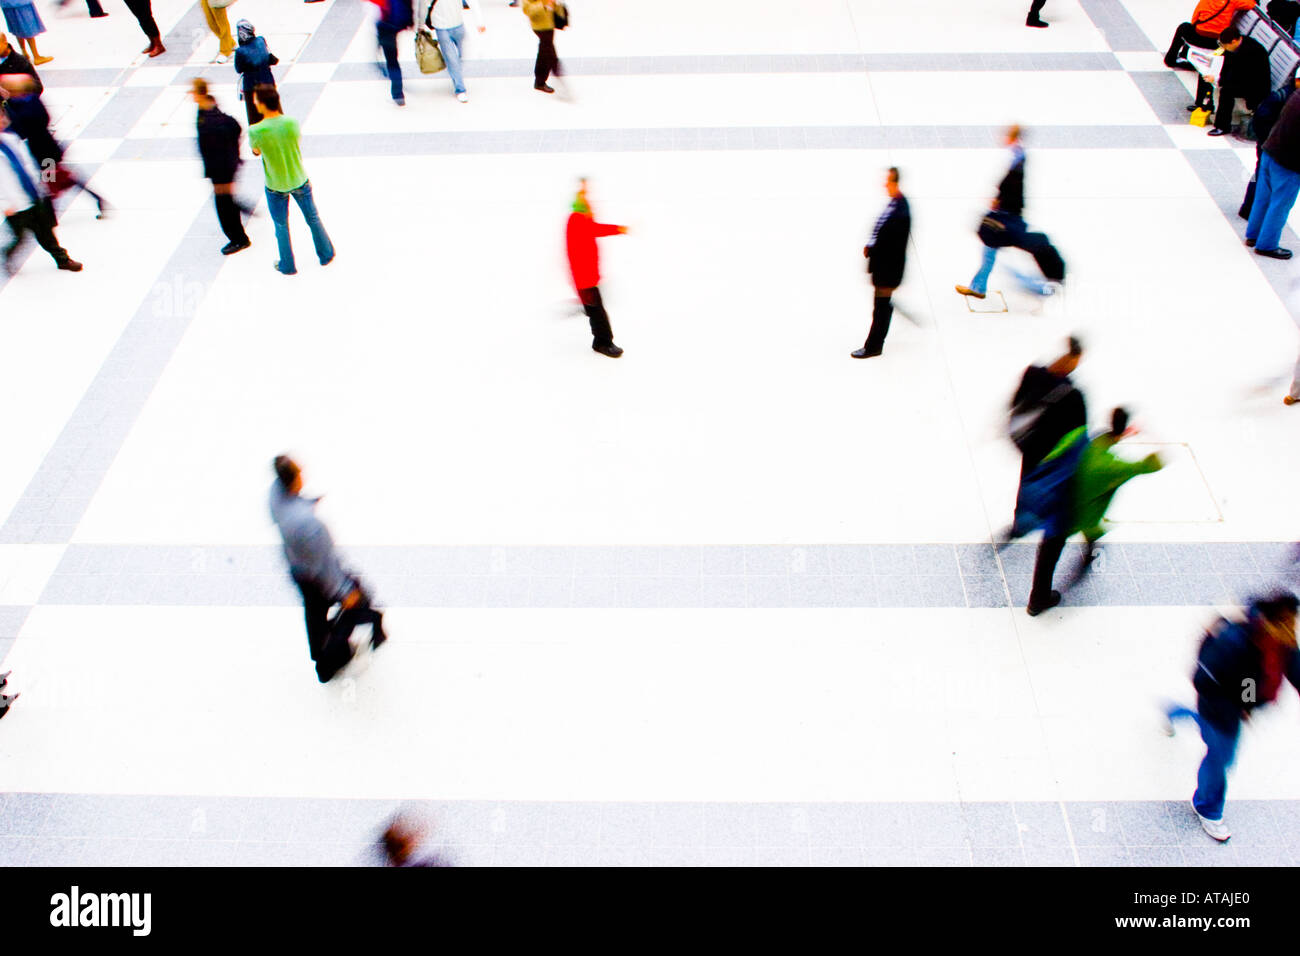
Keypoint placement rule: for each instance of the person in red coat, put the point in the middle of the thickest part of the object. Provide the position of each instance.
(584, 264)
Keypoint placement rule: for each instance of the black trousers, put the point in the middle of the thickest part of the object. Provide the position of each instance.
(601, 333)
(1036, 7)
(143, 11)
(316, 609)
(1049, 553)
(882, 311)
(94, 9)
(39, 221)
(548, 61)
(228, 215)
(1227, 100)
(1184, 37)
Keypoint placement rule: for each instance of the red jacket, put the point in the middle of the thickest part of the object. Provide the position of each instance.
(1212, 17)
(584, 259)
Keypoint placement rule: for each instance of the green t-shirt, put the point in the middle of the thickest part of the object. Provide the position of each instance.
(276, 137)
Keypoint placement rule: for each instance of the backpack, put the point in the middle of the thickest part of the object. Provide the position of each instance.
(1025, 417)
(1221, 668)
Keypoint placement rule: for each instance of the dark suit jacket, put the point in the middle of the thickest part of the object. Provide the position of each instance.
(888, 254)
(1245, 72)
(219, 145)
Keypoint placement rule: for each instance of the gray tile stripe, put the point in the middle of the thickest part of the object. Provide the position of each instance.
(907, 576)
(118, 116)
(1165, 94)
(85, 829)
(1121, 31)
(65, 79)
(332, 37)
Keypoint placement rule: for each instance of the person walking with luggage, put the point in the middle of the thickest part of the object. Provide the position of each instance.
(24, 201)
(394, 17)
(142, 10)
(581, 234)
(29, 118)
(253, 62)
(218, 136)
(315, 568)
(446, 18)
(886, 254)
(542, 18)
(1048, 425)
(276, 139)
(25, 23)
(1279, 182)
(1245, 75)
(1006, 209)
(1239, 668)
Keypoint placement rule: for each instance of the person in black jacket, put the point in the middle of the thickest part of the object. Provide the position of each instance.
(29, 118)
(886, 254)
(219, 147)
(1245, 75)
(1239, 668)
(13, 63)
(1008, 208)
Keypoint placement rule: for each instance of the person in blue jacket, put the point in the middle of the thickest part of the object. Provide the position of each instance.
(1240, 667)
(253, 62)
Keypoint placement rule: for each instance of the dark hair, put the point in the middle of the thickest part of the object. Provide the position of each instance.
(268, 96)
(1074, 346)
(1118, 421)
(1229, 34)
(1276, 606)
(286, 470)
(893, 174)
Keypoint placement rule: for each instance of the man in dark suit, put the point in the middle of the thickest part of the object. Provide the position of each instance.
(886, 254)
(219, 136)
(1245, 75)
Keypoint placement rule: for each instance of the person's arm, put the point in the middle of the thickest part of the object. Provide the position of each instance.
(472, 16)
(604, 229)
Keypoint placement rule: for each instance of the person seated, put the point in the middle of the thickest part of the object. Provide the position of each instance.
(1209, 19)
(1245, 75)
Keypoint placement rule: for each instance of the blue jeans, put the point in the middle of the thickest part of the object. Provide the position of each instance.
(388, 43)
(1220, 751)
(451, 42)
(1275, 194)
(981, 281)
(278, 204)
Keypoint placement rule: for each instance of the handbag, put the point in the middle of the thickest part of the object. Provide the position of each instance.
(427, 53)
(220, 4)
(561, 16)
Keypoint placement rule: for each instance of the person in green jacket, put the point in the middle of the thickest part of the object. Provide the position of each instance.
(1101, 473)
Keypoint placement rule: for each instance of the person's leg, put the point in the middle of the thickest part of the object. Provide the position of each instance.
(1263, 195)
(94, 9)
(278, 206)
(228, 215)
(254, 117)
(1248, 201)
(1294, 394)
(1049, 552)
(388, 43)
(1032, 283)
(142, 10)
(980, 283)
(42, 226)
(1035, 9)
(316, 609)
(221, 27)
(1223, 115)
(1212, 777)
(450, 43)
(541, 66)
(882, 311)
(319, 237)
(602, 336)
(19, 226)
(1283, 186)
(1178, 46)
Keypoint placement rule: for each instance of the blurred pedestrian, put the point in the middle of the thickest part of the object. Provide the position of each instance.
(25, 23)
(394, 17)
(1006, 210)
(142, 10)
(253, 62)
(400, 843)
(446, 18)
(584, 265)
(1035, 8)
(13, 63)
(25, 202)
(1278, 185)
(886, 254)
(92, 7)
(1293, 396)
(29, 119)
(277, 140)
(219, 24)
(6, 700)
(218, 136)
(542, 18)
(1239, 667)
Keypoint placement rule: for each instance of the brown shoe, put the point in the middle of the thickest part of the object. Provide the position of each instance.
(962, 290)
(1289, 400)
(156, 49)
(543, 88)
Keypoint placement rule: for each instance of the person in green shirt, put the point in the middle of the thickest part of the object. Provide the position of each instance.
(1100, 475)
(275, 139)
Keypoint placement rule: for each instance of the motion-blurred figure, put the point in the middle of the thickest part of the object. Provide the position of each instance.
(1035, 8)
(394, 17)
(253, 62)
(92, 7)
(541, 17)
(25, 23)
(400, 843)
(219, 136)
(1293, 396)
(315, 568)
(446, 18)
(1100, 475)
(29, 119)
(25, 202)
(1049, 425)
(886, 254)
(13, 63)
(584, 264)
(1240, 666)
(6, 700)
(142, 10)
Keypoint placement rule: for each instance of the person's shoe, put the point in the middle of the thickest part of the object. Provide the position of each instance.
(542, 88)
(1194, 107)
(230, 248)
(399, 100)
(377, 638)
(1035, 22)
(612, 350)
(514, 3)
(6, 702)
(221, 58)
(70, 265)
(102, 209)
(966, 290)
(1036, 609)
(1215, 828)
(96, 16)
(463, 97)
(864, 353)
(1166, 725)
(4, 679)
(1290, 400)
(326, 262)
(1278, 253)
(1250, 243)
(1218, 132)
(276, 267)
(156, 48)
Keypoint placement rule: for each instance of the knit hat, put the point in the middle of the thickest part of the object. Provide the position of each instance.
(245, 31)
(580, 205)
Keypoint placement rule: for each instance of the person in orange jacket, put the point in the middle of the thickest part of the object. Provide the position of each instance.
(584, 265)
(1209, 19)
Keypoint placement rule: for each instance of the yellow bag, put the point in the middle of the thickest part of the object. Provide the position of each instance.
(1200, 117)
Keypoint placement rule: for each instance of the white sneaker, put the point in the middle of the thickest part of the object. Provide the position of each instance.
(221, 58)
(1166, 725)
(1215, 828)
(463, 97)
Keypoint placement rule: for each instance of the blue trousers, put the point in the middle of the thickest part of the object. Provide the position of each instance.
(1275, 194)
(1220, 751)
(451, 43)
(981, 281)
(278, 204)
